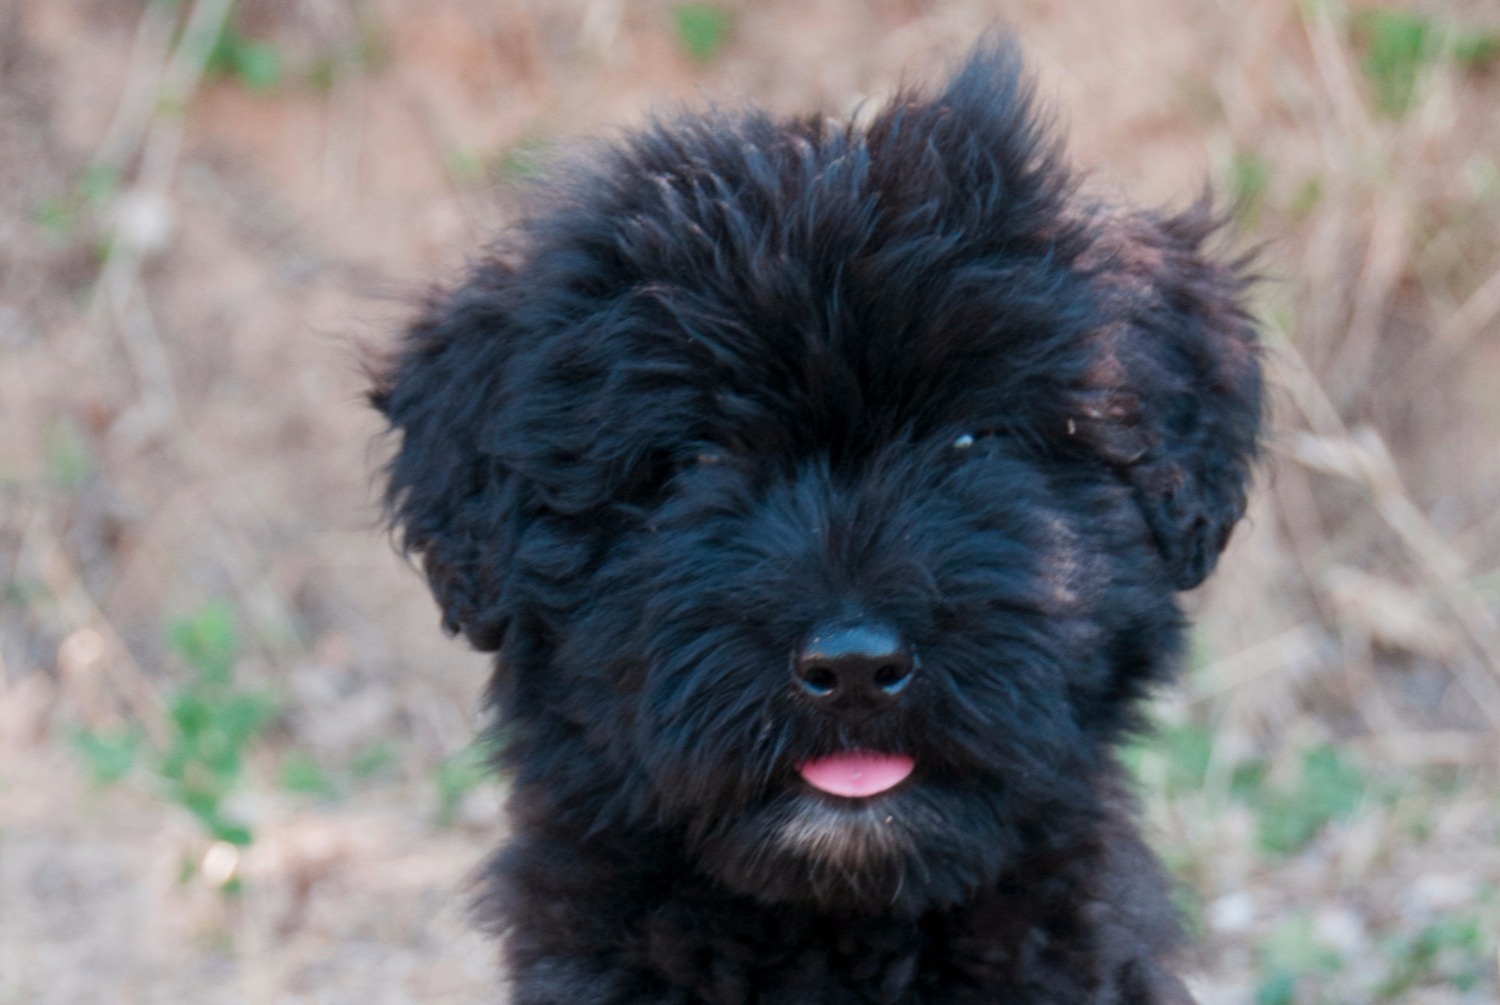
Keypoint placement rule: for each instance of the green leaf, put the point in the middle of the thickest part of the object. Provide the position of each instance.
(258, 65)
(456, 777)
(702, 30)
(1306, 199)
(253, 63)
(1247, 780)
(1279, 988)
(57, 215)
(208, 641)
(373, 761)
(109, 754)
(232, 831)
(302, 774)
(100, 182)
(1451, 951)
(1189, 747)
(68, 460)
(1399, 44)
(242, 716)
(1290, 954)
(1474, 50)
(520, 161)
(1330, 788)
(1249, 179)
(220, 61)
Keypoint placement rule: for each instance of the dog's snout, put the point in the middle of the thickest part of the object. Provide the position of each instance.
(853, 669)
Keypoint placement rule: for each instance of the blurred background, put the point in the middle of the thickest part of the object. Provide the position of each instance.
(235, 760)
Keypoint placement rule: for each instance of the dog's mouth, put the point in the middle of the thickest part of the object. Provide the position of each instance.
(857, 774)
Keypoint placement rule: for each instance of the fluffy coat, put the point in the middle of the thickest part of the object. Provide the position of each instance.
(734, 378)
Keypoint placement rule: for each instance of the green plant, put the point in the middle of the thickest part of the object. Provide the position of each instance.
(1191, 911)
(1188, 748)
(1291, 962)
(211, 725)
(99, 183)
(1171, 760)
(254, 63)
(62, 214)
(109, 754)
(208, 641)
(23, 592)
(1475, 50)
(57, 215)
(68, 460)
(1248, 779)
(1399, 44)
(520, 161)
(1451, 951)
(1329, 788)
(459, 775)
(373, 761)
(301, 773)
(466, 165)
(368, 53)
(1306, 198)
(702, 30)
(1249, 179)
(213, 722)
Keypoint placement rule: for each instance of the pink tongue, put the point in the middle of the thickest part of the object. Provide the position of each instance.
(857, 773)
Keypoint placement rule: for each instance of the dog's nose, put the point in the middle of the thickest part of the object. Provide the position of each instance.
(853, 669)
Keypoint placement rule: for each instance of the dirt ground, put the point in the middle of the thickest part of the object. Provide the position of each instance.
(208, 207)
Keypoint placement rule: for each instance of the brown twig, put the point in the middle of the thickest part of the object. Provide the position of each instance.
(1477, 314)
(161, 147)
(79, 609)
(1384, 263)
(138, 96)
(1362, 457)
(1332, 62)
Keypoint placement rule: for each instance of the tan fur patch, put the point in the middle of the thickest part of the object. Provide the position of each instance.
(1063, 571)
(847, 837)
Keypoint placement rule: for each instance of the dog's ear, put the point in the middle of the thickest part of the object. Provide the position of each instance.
(447, 495)
(1170, 389)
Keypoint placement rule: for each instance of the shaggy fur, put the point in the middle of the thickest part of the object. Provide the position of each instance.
(736, 378)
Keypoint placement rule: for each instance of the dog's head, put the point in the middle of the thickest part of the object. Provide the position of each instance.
(825, 489)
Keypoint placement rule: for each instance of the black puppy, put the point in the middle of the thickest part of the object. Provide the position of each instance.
(825, 490)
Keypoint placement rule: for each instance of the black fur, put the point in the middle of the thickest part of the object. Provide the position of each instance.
(713, 394)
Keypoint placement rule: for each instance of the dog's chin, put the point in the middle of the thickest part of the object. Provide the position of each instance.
(896, 853)
(850, 835)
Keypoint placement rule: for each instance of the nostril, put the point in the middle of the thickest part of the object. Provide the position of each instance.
(893, 677)
(853, 669)
(818, 680)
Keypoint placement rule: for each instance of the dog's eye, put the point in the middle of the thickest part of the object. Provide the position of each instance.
(967, 440)
(707, 457)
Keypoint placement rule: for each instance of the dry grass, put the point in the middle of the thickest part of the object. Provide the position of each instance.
(198, 227)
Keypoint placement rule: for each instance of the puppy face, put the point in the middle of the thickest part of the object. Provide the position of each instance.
(825, 490)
